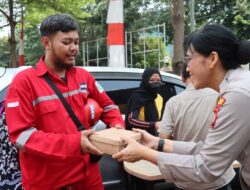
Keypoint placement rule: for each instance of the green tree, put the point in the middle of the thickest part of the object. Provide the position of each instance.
(94, 26)
(233, 14)
(153, 53)
(34, 13)
(178, 38)
(5, 54)
(241, 23)
(10, 15)
(32, 46)
(35, 16)
(91, 16)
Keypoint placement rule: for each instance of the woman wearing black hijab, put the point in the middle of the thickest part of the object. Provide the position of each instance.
(145, 106)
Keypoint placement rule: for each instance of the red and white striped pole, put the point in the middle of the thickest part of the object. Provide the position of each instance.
(115, 39)
(21, 47)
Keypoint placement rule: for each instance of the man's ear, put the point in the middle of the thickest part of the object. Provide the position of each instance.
(45, 41)
(214, 58)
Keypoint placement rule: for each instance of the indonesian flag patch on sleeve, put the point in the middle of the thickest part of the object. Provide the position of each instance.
(219, 104)
(12, 103)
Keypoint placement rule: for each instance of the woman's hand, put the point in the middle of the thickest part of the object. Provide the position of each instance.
(157, 125)
(147, 139)
(135, 151)
(132, 152)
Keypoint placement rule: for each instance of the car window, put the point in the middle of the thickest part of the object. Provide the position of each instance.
(112, 85)
(120, 91)
(178, 89)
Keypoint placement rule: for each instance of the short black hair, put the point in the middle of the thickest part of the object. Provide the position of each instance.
(214, 37)
(58, 22)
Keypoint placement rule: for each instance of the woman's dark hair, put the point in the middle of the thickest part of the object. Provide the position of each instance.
(58, 22)
(232, 52)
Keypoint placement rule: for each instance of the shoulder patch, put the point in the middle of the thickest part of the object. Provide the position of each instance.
(219, 104)
(221, 101)
(83, 87)
(99, 87)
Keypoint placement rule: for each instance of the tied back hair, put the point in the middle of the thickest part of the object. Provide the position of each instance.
(232, 51)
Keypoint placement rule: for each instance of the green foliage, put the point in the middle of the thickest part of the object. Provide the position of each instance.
(32, 46)
(96, 48)
(5, 12)
(95, 26)
(9, 16)
(33, 17)
(233, 14)
(146, 15)
(91, 16)
(242, 18)
(4, 55)
(36, 11)
(152, 53)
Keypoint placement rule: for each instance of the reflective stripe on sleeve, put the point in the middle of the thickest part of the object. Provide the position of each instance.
(110, 107)
(23, 138)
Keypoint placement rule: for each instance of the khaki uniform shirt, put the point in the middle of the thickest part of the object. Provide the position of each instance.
(188, 116)
(227, 141)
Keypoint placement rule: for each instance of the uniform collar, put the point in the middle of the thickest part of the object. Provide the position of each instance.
(42, 68)
(189, 86)
(224, 83)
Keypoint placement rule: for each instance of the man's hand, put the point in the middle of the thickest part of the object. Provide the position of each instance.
(86, 146)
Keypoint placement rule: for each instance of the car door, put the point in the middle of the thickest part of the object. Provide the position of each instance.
(119, 90)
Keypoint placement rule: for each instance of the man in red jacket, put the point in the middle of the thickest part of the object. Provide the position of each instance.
(53, 154)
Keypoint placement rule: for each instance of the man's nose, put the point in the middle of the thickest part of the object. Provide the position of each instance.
(74, 47)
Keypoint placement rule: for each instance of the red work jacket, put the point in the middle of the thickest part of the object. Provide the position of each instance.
(42, 129)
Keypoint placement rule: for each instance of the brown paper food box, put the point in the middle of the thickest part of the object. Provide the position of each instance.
(109, 140)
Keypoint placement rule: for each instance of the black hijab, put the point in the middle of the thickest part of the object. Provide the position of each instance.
(144, 97)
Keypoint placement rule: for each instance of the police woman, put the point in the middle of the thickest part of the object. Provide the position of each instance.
(214, 57)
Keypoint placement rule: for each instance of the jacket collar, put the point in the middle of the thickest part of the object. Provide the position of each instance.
(42, 68)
